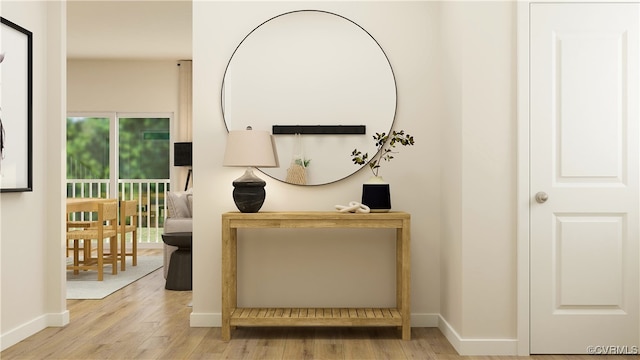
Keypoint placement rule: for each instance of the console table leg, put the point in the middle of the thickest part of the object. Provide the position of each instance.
(229, 280)
(406, 332)
(404, 277)
(226, 331)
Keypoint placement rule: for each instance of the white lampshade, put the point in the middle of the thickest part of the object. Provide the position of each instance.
(250, 148)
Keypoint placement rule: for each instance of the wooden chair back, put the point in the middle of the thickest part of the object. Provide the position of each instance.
(128, 224)
(106, 227)
(108, 215)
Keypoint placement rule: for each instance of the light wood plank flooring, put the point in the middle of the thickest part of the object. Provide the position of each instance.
(145, 321)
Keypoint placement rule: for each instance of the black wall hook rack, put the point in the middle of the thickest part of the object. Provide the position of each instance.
(319, 129)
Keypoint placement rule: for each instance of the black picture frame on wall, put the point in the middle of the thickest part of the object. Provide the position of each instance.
(16, 107)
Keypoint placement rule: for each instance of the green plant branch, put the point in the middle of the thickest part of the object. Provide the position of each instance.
(385, 146)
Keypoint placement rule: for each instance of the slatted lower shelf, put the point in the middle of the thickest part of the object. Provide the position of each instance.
(315, 317)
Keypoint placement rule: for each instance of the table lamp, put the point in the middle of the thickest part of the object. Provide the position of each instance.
(250, 148)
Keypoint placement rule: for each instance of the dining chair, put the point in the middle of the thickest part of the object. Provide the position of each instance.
(128, 224)
(79, 225)
(106, 227)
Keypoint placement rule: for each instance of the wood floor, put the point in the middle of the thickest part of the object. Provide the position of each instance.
(145, 321)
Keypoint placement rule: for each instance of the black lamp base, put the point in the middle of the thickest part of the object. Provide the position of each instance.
(248, 192)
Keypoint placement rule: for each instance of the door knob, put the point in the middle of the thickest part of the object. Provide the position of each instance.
(542, 197)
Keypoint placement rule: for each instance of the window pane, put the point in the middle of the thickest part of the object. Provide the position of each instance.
(143, 148)
(87, 148)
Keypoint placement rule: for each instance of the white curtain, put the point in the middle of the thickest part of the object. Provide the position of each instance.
(183, 124)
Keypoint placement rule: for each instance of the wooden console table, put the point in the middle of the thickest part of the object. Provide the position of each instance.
(233, 316)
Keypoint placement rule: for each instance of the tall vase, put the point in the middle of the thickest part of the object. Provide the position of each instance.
(376, 195)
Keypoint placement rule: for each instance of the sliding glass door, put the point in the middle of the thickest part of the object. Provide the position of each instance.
(124, 156)
(88, 155)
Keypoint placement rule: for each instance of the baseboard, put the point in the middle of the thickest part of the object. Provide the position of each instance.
(40, 323)
(478, 347)
(59, 320)
(205, 319)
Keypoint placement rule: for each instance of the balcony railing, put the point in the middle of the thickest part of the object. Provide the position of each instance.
(150, 194)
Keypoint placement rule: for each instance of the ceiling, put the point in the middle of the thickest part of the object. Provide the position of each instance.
(129, 29)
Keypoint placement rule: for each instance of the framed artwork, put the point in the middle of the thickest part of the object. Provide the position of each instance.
(16, 112)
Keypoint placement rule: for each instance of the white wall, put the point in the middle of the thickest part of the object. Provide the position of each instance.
(31, 233)
(478, 209)
(456, 94)
(309, 268)
(122, 85)
(451, 170)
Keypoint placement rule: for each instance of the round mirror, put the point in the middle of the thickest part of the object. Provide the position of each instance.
(322, 81)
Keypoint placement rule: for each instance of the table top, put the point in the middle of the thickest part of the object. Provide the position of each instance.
(80, 204)
(315, 215)
(315, 219)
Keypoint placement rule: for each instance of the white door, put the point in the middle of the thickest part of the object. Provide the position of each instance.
(584, 78)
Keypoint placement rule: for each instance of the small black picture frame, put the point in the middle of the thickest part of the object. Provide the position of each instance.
(16, 107)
